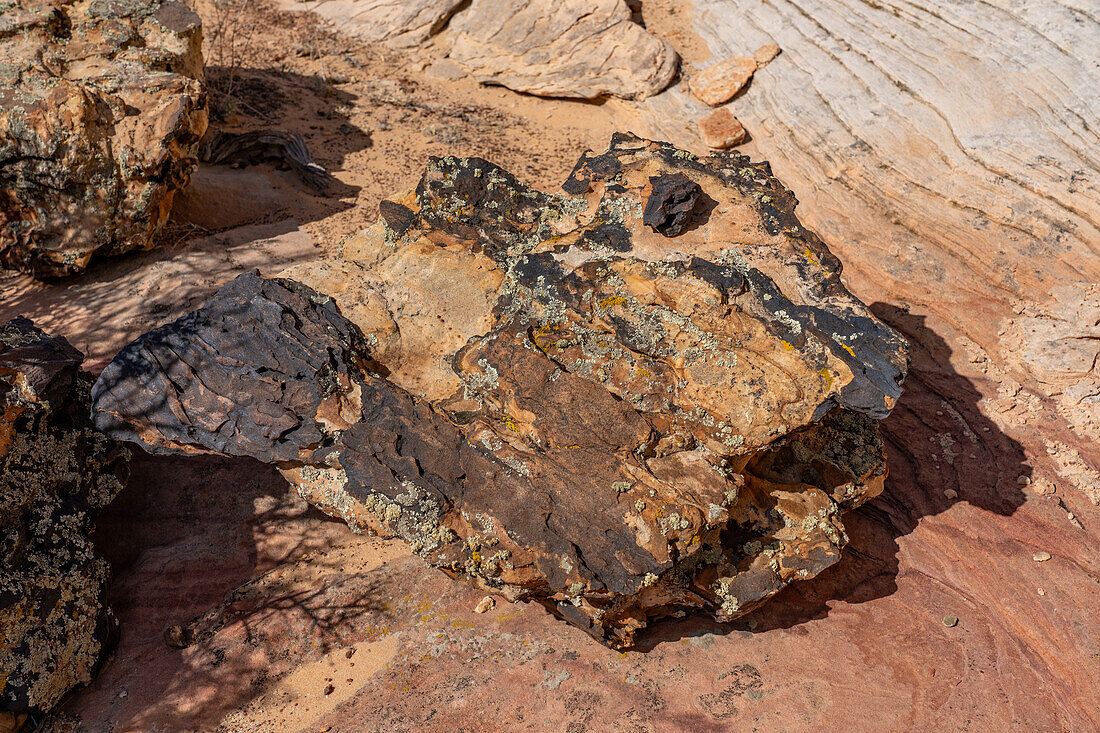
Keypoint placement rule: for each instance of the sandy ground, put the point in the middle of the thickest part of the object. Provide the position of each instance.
(282, 603)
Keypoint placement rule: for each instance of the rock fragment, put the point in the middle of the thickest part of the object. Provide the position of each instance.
(719, 83)
(55, 473)
(485, 605)
(543, 394)
(765, 53)
(950, 621)
(581, 49)
(101, 109)
(721, 130)
(1041, 556)
(671, 201)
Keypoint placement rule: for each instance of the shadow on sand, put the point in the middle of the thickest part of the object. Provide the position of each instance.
(938, 442)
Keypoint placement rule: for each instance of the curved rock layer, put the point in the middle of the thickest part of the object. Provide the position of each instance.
(647, 394)
(55, 472)
(101, 110)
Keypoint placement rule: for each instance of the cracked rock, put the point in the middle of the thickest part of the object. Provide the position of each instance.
(542, 394)
(101, 110)
(55, 473)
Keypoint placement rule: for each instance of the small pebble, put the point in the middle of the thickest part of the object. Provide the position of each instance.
(1042, 592)
(486, 603)
(1041, 556)
(350, 653)
(1023, 480)
(951, 493)
(950, 621)
(329, 689)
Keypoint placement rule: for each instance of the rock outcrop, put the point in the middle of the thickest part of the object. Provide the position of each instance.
(55, 472)
(398, 23)
(568, 48)
(645, 395)
(101, 109)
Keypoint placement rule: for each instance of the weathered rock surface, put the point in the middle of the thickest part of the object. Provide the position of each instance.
(719, 83)
(399, 23)
(721, 130)
(55, 472)
(101, 108)
(648, 394)
(568, 48)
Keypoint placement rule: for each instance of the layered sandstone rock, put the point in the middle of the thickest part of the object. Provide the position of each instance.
(647, 394)
(565, 48)
(101, 109)
(399, 23)
(55, 472)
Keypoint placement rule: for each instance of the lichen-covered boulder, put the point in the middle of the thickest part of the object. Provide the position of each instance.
(101, 110)
(647, 394)
(56, 471)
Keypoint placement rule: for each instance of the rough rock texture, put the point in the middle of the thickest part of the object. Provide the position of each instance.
(721, 130)
(719, 83)
(101, 108)
(562, 48)
(397, 23)
(766, 53)
(546, 394)
(55, 472)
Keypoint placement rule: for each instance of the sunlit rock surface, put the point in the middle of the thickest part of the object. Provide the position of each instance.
(647, 394)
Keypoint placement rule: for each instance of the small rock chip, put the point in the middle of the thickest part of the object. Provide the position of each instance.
(1023, 480)
(951, 493)
(1041, 591)
(719, 83)
(330, 688)
(177, 637)
(486, 603)
(721, 130)
(350, 653)
(1041, 556)
(765, 53)
(671, 201)
(950, 621)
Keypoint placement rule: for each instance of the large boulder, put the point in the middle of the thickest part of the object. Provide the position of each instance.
(56, 471)
(562, 48)
(101, 110)
(648, 394)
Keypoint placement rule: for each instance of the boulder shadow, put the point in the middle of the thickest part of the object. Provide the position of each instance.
(940, 449)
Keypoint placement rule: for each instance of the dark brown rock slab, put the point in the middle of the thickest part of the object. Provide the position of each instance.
(101, 110)
(617, 422)
(56, 472)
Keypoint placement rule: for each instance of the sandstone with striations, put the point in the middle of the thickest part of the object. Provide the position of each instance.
(399, 23)
(569, 48)
(647, 394)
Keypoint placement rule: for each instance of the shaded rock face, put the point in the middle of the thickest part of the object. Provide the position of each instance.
(644, 395)
(565, 48)
(55, 472)
(101, 110)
